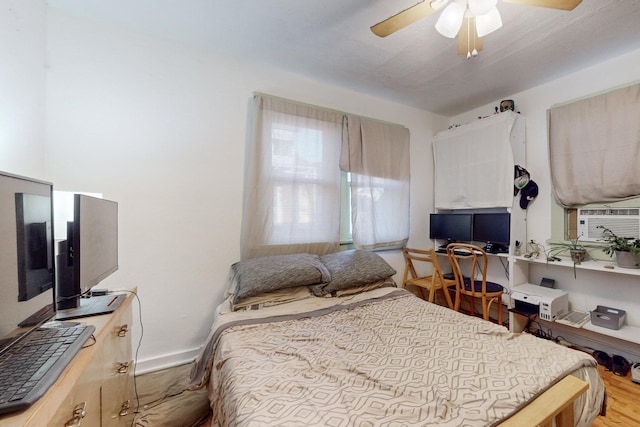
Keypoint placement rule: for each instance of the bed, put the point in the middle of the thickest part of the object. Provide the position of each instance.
(346, 347)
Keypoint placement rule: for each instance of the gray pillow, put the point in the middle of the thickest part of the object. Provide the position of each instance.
(353, 268)
(266, 274)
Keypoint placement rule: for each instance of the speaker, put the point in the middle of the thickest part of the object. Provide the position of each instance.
(66, 295)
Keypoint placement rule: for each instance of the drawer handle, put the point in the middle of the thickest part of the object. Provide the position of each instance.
(79, 412)
(122, 332)
(123, 367)
(125, 408)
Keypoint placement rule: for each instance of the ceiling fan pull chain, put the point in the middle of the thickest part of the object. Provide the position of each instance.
(469, 39)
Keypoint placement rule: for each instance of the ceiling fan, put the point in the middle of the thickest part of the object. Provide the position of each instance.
(470, 20)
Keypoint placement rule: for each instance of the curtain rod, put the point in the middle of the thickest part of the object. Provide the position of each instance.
(602, 92)
(324, 108)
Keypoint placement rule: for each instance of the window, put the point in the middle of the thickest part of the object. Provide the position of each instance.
(300, 197)
(594, 156)
(300, 181)
(346, 229)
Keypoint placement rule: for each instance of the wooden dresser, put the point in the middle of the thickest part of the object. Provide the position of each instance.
(96, 389)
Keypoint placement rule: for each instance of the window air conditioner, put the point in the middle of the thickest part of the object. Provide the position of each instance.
(623, 222)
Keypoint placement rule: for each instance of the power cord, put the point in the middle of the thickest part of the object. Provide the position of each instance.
(538, 331)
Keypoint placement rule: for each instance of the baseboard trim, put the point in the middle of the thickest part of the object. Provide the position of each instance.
(157, 363)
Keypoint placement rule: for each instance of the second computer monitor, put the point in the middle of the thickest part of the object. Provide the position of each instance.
(493, 229)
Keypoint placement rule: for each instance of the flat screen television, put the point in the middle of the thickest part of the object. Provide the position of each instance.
(27, 268)
(492, 229)
(87, 256)
(450, 227)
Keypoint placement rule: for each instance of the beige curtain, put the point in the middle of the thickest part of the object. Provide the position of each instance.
(377, 155)
(292, 179)
(594, 148)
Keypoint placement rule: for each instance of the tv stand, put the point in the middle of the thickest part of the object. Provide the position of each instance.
(92, 306)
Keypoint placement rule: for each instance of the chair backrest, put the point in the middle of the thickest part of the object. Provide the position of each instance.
(475, 264)
(420, 255)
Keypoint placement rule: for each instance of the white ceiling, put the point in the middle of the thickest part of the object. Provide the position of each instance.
(330, 40)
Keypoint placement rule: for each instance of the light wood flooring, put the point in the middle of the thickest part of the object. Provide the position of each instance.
(623, 401)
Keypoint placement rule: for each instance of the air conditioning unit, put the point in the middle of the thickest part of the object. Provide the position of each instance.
(624, 222)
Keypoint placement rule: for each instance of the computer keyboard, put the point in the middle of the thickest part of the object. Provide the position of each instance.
(30, 367)
(459, 252)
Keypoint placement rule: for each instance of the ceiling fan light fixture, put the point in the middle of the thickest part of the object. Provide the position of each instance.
(450, 20)
(488, 23)
(481, 7)
(438, 4)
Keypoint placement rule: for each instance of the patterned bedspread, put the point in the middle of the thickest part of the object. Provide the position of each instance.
(386, 361)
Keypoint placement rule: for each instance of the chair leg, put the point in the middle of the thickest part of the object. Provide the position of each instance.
(432, 293)
(486, 307)
(447, 297)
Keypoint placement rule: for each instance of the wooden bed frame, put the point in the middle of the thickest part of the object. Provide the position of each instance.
(554, 404)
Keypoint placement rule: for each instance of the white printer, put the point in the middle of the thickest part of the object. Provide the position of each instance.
(548, 303)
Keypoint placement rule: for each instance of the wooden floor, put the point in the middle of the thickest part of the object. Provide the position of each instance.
(623, 401)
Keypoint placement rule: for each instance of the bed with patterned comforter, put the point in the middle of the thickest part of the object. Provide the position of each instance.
(375, 358)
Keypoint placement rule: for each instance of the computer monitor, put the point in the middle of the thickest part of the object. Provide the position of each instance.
(87, 256)
(492, 229)
(451, 227)
(27, 268)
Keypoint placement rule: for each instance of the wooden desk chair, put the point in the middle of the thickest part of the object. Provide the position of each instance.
(475, 284)
(431, 282)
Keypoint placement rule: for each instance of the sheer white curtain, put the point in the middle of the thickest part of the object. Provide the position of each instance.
(594, 148)
(474, 164)
(292, 179)
(377, 155)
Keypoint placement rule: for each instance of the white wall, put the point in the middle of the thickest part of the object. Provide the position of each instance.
(590, 288)
(160, 128)
(22, 87)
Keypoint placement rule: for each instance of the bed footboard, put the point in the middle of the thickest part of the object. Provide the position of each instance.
(554, 404)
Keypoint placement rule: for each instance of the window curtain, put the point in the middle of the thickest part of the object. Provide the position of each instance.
(292, 179)
(594, 148)
(377, 156)
(474, 164)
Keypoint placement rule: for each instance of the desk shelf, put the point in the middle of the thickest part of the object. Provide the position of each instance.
(603, 266)
(626, 332)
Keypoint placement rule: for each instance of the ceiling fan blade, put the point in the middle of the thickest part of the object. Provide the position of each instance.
(553, 4)
(403, 19)
(467, 37)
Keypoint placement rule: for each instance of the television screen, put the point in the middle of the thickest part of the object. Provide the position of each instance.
(492, 228)
(450, 227)
(26, 256)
